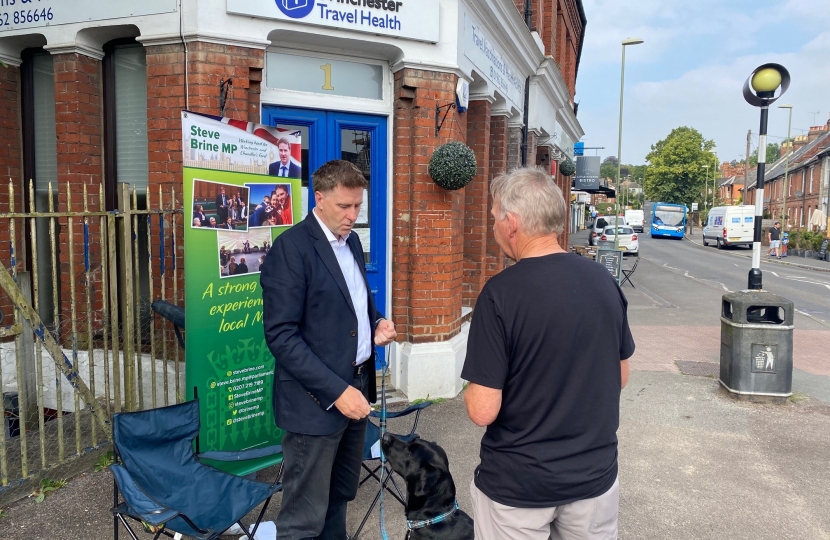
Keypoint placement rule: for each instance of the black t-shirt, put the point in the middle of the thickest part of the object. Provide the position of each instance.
(550, 333)
(774, 234)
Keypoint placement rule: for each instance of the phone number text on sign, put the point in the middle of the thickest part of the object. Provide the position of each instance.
(19, 14)
(23, 16)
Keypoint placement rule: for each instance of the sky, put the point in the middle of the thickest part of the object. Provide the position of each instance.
(691, 68)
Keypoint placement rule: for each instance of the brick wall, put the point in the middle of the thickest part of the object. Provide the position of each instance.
(427, 221)
(514, 148)
(476, 207)
(10, 164)
(208, 64)
(499, 136)
(79, 131)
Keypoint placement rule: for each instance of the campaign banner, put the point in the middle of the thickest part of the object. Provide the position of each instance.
(242, 189)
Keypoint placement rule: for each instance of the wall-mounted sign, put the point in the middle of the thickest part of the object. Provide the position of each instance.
(409, 19)
(17, 14)
(324, 75)
(587, 173)
(485, 55)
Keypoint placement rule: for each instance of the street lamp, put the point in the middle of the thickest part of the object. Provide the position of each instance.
(714, 176)
(759, 91)
(705, 184)
(625, 42)
(787, 163)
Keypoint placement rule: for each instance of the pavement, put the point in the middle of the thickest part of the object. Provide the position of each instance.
(694, 463)
(790, 260)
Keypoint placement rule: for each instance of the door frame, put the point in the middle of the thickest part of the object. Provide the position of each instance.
(299, 115)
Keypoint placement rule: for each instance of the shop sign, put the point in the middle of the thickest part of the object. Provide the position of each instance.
(409, 19)
(587, 173)
(17, 14)
(229, 367)
(485, 55)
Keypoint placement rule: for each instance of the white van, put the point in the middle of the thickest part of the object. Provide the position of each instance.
(730, 226)
(635, 219)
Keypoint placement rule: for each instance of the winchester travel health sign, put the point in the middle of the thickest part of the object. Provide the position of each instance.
(237, 201)
(408, 19)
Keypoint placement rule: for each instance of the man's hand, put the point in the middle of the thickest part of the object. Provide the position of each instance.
(352, 404)
(385, 333)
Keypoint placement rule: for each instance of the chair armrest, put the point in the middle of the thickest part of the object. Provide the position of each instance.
(139, 502)
(409, 410)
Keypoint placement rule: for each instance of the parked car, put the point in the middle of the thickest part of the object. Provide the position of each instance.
(635, 219)
(600, 223)
(628, 242)
(730, 226)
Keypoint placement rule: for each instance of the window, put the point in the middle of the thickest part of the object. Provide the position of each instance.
(125, 108)
(811, 179)
(40, 159)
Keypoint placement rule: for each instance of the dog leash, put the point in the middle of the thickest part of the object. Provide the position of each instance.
(384, 370)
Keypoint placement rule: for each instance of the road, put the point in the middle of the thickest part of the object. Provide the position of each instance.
(727, 269)
(674, 311)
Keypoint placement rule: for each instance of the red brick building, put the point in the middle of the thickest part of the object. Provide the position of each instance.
(807, 183)
(94, 99)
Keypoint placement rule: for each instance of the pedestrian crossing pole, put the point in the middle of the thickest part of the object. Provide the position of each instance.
(759, 91)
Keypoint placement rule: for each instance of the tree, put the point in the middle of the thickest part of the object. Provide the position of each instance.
(773, 150)
(608, 169)
(676, 172)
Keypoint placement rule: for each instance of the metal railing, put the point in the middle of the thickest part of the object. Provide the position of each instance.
(85, 342)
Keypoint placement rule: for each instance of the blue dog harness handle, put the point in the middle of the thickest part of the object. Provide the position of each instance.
(412, 525)
(385, 369)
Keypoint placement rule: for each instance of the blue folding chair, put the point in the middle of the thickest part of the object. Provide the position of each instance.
(371, 463)
(166, 488)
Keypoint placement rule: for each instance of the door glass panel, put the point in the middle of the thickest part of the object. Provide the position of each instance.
(305, 172)
(355, 146)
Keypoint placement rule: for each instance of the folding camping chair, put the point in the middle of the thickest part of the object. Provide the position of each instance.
(166, 488)
(371, 460)
(627, 273)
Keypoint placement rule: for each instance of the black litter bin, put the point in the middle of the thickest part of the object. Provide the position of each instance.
(756, 351)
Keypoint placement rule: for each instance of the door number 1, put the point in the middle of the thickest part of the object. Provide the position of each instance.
(327, 77)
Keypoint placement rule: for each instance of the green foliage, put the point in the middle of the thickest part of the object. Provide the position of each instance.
(47, 486)
(427, 400)
(567, 168)
(452, 165)
(676, 172)
(3, 514)
(772, 154)
(104, 461)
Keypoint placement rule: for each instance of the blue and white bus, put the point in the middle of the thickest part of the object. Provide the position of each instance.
(668, 220)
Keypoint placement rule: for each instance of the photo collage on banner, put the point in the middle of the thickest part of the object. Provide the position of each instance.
(240, 186)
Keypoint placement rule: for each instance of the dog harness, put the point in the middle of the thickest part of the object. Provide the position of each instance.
(412, 525)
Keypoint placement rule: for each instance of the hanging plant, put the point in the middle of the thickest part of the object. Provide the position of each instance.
(567, 168)
(452, 165)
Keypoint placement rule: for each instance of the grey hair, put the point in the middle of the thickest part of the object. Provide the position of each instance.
(533, 197)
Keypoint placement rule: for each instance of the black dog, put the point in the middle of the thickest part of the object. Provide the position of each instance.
(430, 490)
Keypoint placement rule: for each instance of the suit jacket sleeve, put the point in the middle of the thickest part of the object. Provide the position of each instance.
(284, 289)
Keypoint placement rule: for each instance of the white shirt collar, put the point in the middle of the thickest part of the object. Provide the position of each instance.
(329, 235)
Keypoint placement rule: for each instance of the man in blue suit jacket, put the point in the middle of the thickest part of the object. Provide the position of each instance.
(320, 322)
(284, 167)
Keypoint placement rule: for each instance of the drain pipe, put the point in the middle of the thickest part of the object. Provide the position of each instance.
(529, 23)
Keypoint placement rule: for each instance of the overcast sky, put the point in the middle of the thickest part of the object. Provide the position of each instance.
(692, 66)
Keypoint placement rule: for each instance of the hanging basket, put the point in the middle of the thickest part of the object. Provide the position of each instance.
(452, 165)
(567, 168)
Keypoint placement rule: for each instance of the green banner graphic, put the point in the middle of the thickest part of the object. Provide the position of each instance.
(231, 220)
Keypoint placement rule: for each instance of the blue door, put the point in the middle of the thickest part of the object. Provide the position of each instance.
(358, 138)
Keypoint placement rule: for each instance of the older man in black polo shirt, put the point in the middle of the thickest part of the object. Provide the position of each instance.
(544, 378)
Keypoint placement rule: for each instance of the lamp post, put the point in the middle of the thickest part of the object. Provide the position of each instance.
(787, 164)
(714, 181)
(705, 182)
(625, 42)
(759, 91)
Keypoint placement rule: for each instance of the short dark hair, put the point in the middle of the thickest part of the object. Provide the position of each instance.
(283, 140)
(338, 172)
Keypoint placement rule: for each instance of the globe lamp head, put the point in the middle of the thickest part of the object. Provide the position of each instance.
(766, 80)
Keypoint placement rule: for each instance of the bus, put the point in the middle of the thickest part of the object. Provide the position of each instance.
(668, 220)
